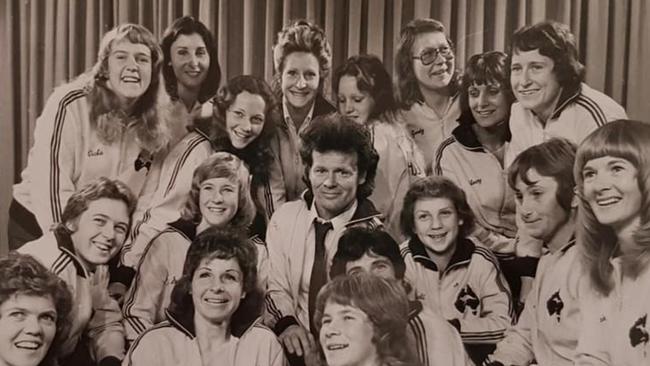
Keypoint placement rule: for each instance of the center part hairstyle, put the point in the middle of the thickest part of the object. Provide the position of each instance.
(555, 41)
(553, 158)
(386, 305)
(151, 134)
(303, 36)
(407, 84)
(22, 274)
(629, 140)
(372, 78)
(436, 187)
(484, 69)
(187, 25)
(215, 243)
(333, 132)
(222, 165)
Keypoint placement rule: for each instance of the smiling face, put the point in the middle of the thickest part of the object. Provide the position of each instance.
(190, 60)
(488, 104)
(436, 223)
(352, 102)
(217, 290)
(534, 82)
(129, 71)
(27, 328)
(537, 206)
(218, 202)
(438, 74)
(99, 232)
(346, 336)
(611, 188)
(300, 78)
(334, 178)
(245, 119)
(371, 263)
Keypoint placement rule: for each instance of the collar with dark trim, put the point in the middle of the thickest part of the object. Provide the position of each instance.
(462, 255)
(566, 98)
(184, 227)
(184, 322)
(365, 209)
(466, 137)
(64, 242)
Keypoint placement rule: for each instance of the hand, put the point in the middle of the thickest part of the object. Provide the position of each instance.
(99, 285)
(297, 340)
(117, 291)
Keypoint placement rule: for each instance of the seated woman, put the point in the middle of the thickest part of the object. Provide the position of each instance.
(362, 321)
(219, 198)
(364, 91)
(213, 314)
(612, 173)
(451, 272)
(34, 309)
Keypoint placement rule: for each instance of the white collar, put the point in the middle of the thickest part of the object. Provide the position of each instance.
(340, 220)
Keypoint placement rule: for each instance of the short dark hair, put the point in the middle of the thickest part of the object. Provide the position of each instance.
(553, 158)
(357, 241)
(188, 25)
(22, 274)
(333, 132)
(436, 187)
(553, 40)
(372, 78)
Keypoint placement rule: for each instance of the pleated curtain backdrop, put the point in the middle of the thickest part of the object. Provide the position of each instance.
(49, 42)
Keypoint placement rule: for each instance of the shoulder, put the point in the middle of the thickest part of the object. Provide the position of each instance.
(598, 106)
(290, 209)
(159, 337)
(481, 254)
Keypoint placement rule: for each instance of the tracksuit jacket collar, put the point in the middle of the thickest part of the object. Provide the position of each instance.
(462, 255)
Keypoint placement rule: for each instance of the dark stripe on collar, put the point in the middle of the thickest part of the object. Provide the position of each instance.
(64, 242)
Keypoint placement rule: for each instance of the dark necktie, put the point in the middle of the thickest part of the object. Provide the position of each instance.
(318, 271)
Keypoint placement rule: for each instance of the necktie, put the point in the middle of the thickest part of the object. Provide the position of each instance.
(318, 271)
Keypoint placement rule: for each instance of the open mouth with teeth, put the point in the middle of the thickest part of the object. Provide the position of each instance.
(336, 346)
(437, 236)
(485, 113)
(607, 201)
(216, 301)
(28, 345)
(130, 79)
(216, 210)
(527, 92)
(103, 247)
(242, 135)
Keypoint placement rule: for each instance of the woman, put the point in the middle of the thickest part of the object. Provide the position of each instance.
(104, 123)
(427, 82)
(362, 321)
(213, 314)
(364, 91)
(302, 58)
(612, 175)
(452, 273)
(34, 308)
(191, 76)
(220, 197)
(246, 115)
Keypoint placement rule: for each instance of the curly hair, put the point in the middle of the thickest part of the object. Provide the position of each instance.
(22, 274)
(407, 85)
(484, 69)
(629, 140)
(187, 25)
(216, 243)
(334, 132)
(553, 40)
(436, 187)
(105, 113)
(222, 165)
(372, 78)
(386, 305)
(303, 36)
(100, 188)
(257, 154)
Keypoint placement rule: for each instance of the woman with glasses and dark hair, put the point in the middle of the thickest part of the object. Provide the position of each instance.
(213, 316)
(364, 91)
(427, 81)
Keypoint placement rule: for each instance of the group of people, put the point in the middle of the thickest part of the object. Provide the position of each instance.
(494, 216)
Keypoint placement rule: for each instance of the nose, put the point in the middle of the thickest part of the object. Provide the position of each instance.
(348, 107)
(245, 124)
(526, 208)
(301, 82)
(482, 99)
(108, 231)
(330, 180)
(330, 330)
(600, 182)
(131, 63)
(436, 223)
(32, 326)
(194, 60)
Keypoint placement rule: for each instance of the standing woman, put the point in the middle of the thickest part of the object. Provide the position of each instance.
(612, 173)
(302, 58)
(104, 123)
(364, 91)
(427, 82)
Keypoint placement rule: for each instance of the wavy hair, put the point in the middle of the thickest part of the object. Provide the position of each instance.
(629, 140)
(187, 25)
(22, 274)
(407, 85)
(386, 305)
(105, 114)
(372, 78)
(222, 165)
(435, 187)
(553, 40)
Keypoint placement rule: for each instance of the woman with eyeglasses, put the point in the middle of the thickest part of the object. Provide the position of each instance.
(427, 82)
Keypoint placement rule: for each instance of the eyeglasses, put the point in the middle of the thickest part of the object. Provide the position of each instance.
(428, 55)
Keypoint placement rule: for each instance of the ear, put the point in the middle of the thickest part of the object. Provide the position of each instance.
(460, 222)
(72, 226)
(574, 198)
(243, 295)
(362, 178)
